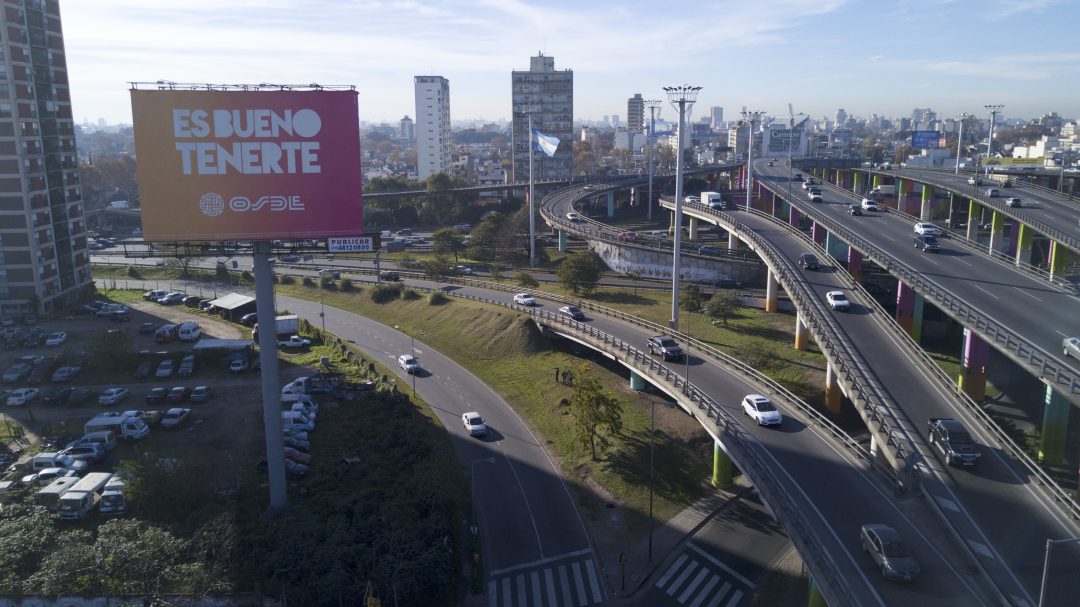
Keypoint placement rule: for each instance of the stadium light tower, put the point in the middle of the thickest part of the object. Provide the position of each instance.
(680, 97)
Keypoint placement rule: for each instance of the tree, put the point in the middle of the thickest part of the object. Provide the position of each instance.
(636, 276)
(434, 268)
(723, 304)
(691, 298)
(526, 280)
(597, 412)
(580, 272)
(446, 241)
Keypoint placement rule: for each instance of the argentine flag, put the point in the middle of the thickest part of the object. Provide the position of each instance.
(545, 143)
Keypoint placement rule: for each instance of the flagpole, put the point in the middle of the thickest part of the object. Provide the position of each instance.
(532, 197)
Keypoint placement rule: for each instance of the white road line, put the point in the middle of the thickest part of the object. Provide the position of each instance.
(593, 584)
(535, 578)
(1060, 333)
(506, 592)
(579, 584)
(682, 577)
(947, 503)
(564, 581)
(493, 599)
(671, 570)
(985, 291)
(979, 548)
(735, 599)
(521, 587)
(963, 262)
(693, 585)
(549, 583)
(705, 591)
(542, 561)
(1026, 293)
(720, 595)
(726, 569)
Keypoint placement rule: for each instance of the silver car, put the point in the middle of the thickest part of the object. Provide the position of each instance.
(1071, 345)
(889, 552)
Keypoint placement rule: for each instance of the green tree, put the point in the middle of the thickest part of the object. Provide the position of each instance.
(636, 276)
(27, 535)
(691, 298)
(434, 268)
(112, 351)
(445, 241)
(580, 272)
(526, 280)
(723, 305)
(597, 411)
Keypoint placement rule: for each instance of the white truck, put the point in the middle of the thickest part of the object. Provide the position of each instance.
(83, 496)
(882, 191)
(123, 426)
(113, 500)
(712, 200)
(49, 497)
(287, 324)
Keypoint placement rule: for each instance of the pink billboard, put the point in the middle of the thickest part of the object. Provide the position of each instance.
(248, 165)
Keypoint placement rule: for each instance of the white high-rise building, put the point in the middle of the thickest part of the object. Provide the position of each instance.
(548, 96)
(407, 130)
(716, 117)
(841, 118)
(432, 125)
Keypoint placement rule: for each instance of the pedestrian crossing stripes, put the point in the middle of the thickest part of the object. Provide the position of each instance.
(697, 579)
(572, 581)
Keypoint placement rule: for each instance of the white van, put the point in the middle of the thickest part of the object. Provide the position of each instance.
(113, 500)
(189, 331)
(129, 427)
(105, 438)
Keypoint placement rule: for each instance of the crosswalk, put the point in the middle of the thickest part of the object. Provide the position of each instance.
(569, 580)
(698, 579)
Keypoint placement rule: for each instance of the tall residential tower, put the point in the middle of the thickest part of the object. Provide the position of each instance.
(549, 97)
(635, 114)
(43, 256)
(432, 125)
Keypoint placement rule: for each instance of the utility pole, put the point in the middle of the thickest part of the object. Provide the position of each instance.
(653, 105)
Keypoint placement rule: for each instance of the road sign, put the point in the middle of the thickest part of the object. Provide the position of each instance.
(352, 244)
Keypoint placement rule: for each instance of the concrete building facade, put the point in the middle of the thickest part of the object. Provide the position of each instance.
(635, 114)
(44, 262)
(549, 96)
(432, 125)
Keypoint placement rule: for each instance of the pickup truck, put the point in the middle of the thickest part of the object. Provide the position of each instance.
(954, 441)
(294, 341)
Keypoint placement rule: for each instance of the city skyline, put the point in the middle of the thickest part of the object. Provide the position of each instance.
(819, 55)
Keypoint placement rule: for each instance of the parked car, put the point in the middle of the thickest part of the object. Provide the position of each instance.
(156, 395)
(42, 371)
(164, 369)
(573, 312)
(238, 365)
(58, 396)
(296, 443)
(144, 369)
(187, 366)
(154, 295)
(178, 394)
(193, 301)
(65, 373)
(474, 424)
(889, 552)
(17, 372)
(200, 394)
(86, 452)
(761, 410)
(22, 396)
(524, 299)
(172, 298)
(113, 396)
(174, 417)
(808, 261)
(837, 300)
(665, 346)
(147, 328)
(293, 341)
(56, 338)
(297, 456)
(80, 395)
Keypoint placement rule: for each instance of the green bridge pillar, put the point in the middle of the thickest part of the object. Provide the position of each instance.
(1059, 259)
(1055, 428)
(1023, 244)
(926, 207)
(562, 241)
(721, 467)
(611, 204)
(972, 220)
(816, 599)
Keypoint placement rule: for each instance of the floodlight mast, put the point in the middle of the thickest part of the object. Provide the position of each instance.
(681, 97)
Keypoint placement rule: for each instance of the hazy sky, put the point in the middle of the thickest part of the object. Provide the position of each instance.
(867, 56)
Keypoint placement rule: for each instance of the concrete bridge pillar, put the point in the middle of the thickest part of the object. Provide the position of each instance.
(856, 181)
(772, 204)
(854, 263)
(732, 241)
(771, 288)
(998, 237)
(836, 248)
(972, 378)
(832, 390)
(562, 241)
(815, 599)
(926, 206)
(818, 233)
(794, 216)
(1055, 428)
(874, 446)
(875, 180)
(636, 381)
(972, 221)
(802, 336)
(721, 467)
(611, 204)
(671, 223)
(693, 228)
(905, 306)
(1059, 259)
(1023, 239)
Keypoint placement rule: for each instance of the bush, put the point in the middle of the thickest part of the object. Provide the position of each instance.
(245, 275)
(133, 272)
(308, 281)
(287, 280)
(438, 298)
(526, 280)
(347, 284)
(410, 294)
(386, 292)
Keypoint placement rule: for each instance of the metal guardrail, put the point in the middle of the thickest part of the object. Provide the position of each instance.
(1021, 349)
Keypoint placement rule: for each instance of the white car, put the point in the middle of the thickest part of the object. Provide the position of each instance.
(1071, 346)
(837, 300)
(22, 396)
(55, 339)
(174, 417)
(45, 476)
(474, 424)
(294, 341)
(869, 205)
(762, 410)
(572, 216)
(409, 363)
(926, 229)
(113, 396)
(524, 299)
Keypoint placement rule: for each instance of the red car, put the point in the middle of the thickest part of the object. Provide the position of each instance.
(178, 394)
(628, 236)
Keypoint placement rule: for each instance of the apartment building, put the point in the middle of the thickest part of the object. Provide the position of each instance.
(547, 95)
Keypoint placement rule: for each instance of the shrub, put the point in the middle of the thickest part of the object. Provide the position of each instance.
(409, 294)
(308, 281)
(245, 275)
(438, 298)
(526, 280)
(347, 284)
(386, 292)
(133, 272)
(287, 280)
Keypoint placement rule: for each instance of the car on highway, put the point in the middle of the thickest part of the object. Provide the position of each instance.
(869, 205)
(665, 346)
(113, 396)
(1013, 202)
(797, 177)
(65, 373)
(391, 276)
(628, 236)
(524, 299)
(464, 270)
(926, 229)
(709, 250)
(837, 300)
(408, 363)
(174, 417)
(691, 199)
(573, 312)
(761, 410)
(927, 243)
(854, 209)
(889, 552)
(56, 338)
(22, 396)
(975, 181)
(474, 424)
(172, 298)
(1071, 346)
(200, 394)
(808, 261)
(572, 216)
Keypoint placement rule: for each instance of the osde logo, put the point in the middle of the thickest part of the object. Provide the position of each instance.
(212, 204)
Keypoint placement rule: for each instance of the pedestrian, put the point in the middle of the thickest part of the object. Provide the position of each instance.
(556, 375)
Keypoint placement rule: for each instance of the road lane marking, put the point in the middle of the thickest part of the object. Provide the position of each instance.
(722, 566)
(520, 579)
(493, 597)
(693, 585)
(579, 583)
(963, 262)
(535, 578)
(543, 561)
(564, 581)
(1028, 294)
(720, 595)
(705, 591)
(671, 570)
(735, 599)
(682, 577)
(506, 592)
(593, 585)
(979, 548)
(947, 503)
(549, 582)
(985, 291)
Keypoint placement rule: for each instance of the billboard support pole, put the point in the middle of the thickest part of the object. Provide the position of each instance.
(264, 307)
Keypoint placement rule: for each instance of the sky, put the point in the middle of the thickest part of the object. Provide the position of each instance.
(868, 57)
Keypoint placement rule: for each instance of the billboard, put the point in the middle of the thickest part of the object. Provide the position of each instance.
(783, 141)
(924, 140)
(247, 165)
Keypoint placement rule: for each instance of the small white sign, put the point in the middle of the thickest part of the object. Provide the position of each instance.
(351, 244)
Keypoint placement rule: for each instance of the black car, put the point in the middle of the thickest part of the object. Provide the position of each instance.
(665, 346)
(192, 301)
(249, 320)
(80, 395)
(927, 243)
(144, 369)
(797, 177)
(854, 209)
(147, 328)
(808, 261)
(156, 395)
(59, 396)
(391, 276)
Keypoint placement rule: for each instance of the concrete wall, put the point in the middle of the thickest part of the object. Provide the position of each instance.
(657, 264)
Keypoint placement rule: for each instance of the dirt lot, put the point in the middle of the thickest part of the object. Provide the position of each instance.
(229, 423)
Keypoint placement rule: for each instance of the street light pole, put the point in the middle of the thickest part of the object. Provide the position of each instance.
(529, 110)
(652, 443)
(679, 96)
(1046, 566)
(653, 104)
(751, 119)
(993, 109)
(322, 307)
(963, 116)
